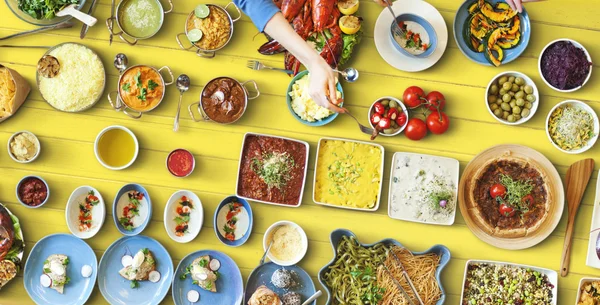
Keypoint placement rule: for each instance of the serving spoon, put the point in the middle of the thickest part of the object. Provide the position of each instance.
(183, 84)
(578, 176)
(349, 74)
(77, 14)
(312, 297)
(121, 62)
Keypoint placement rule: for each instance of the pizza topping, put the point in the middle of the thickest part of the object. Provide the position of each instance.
(497, 190)
(516, 193)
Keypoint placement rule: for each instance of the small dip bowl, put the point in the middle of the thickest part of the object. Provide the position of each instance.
(576, 44)
(180, 163)
(404, 110)
(39, 184)
(596, 125)
(126, 24)
(37, 147)
(110, 141)
(419, 25)
(273, 230)
(244, 217)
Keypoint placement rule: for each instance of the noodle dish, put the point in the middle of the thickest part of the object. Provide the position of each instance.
(373, 273)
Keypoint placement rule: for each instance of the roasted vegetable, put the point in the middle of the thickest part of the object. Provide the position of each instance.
(492, 45)
(496, 16)
(516, 25)
(473, 8)
(479, 26)
(511, 41)
(7, 232)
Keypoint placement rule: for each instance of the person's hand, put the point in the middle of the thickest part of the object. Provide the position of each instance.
(516, 5)
(381, 2)
(322, 84)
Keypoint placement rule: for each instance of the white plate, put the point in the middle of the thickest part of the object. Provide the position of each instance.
(592, 258)
(581, 283)
(401, 177)
(72, 212)
(196, 216)
(552, 276)
(380, 182)
(385, 46)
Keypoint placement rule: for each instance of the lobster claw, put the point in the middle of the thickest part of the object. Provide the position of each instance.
(271, 47)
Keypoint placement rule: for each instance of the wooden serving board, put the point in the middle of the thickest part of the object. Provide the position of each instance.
(556, 190)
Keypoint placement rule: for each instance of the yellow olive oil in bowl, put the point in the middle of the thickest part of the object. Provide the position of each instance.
(116, 147)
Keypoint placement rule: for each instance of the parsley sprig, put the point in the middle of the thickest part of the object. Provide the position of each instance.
(516, 190)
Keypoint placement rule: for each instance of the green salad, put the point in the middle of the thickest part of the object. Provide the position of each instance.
(44, 9)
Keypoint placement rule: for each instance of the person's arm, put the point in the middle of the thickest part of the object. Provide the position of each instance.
(515, 5)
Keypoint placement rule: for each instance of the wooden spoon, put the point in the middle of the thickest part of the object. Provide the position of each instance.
(83, 17)
(578, 176)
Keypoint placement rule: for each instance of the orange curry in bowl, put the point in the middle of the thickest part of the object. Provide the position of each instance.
(141, 88)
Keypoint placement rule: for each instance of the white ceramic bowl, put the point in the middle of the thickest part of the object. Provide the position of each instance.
(582, 282)
(72, 212)
(585, 107)
(39, 147)
(304, 241)
(19, 197)
(528, 81)
(196, 216)
(575, 43)
(137, 147)
(403, 109)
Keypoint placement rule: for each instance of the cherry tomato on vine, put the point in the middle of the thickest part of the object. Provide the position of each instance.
(416, 129)
(497, 190)
(506, 210)
(435, 100)
(413, 96)
(438, 122)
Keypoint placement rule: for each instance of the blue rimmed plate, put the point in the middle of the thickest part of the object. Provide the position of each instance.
(117, 290)
(462, 16)
(322, 122)
(337, 235)
(145, 209)
(419, 25)
(230, 288)
(78, 290)
(244, 223)
(262, 276)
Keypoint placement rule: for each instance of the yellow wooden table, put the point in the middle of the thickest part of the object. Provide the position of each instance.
(67, 158)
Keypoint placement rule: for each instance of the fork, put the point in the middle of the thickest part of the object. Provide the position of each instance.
(257, 65)
(396, 29)
(363, 128)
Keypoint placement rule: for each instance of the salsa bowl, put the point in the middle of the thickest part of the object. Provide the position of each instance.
(128, 12)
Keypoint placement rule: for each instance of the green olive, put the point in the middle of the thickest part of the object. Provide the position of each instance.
(494, 106)
(505, 114)
(502, 91)
(385, 102)
(505, 106)
(498, 112)
(520, 102)
(499, 100)
(511, 118)
(511, 79)
(394, 124)
(528, 89)
(389, 131)
(512, 104)
(502, 80)
(511, 93)
(492, 99)
(506, 98)
(506, 86)
(525, 112)
(520, 94)
(393, 104)
(516, 110)
(494, 89)
(519, 81)
(528, 105)
(531, 98)
(514, 88)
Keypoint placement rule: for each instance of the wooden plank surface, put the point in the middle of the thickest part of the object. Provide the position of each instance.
(67, 159)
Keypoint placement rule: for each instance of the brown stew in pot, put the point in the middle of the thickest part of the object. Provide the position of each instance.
(224, 100)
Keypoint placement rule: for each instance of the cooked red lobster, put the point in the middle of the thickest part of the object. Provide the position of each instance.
(310, 17)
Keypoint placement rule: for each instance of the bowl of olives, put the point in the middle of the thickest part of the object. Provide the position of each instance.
(512, 98)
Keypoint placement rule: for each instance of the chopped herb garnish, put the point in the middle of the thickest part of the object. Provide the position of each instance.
(126, 87)
(274, 168)
(152, 85)
(134, 284)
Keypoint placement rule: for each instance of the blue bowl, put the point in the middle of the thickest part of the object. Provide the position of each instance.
(428, 29)
(262, 276)
(31, 206)
(462, 16)
(322, 122)
(230, 286)
(126, 188)
(246, 205)
(336, 237)
(79, 289)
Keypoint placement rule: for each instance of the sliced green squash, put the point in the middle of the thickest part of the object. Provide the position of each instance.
(479, 26)
(496, 16)
(491, 46)
(502, 6)
(473, 8)
(510, 43)
(516, 25)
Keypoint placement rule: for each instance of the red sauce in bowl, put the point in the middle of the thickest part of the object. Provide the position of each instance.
(33, 191)
(180, 163)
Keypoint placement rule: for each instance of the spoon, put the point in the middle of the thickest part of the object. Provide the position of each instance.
(72, 11)
(183, 84)
(578, 176)
(349, 74)
(121, 62)
(313, 297)
(262, 260)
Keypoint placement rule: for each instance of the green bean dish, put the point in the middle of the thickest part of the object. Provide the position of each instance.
(352, 279)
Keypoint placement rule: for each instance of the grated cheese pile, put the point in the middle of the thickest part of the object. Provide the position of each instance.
(571, 127)
(80, 80)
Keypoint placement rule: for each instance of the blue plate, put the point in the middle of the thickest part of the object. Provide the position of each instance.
(117, 290)
(246, 206)
(428, 29)
(322, 122)
(230, 287)
(336, 237)
(78, 290)
(262, 276)
(144, 209)
(463, 16)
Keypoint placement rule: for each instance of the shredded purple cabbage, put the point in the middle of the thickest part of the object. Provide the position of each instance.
(565, 66)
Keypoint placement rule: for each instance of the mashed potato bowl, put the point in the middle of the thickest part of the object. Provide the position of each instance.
(303, 108)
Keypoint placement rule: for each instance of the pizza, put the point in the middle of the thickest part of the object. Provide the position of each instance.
(509, 197)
